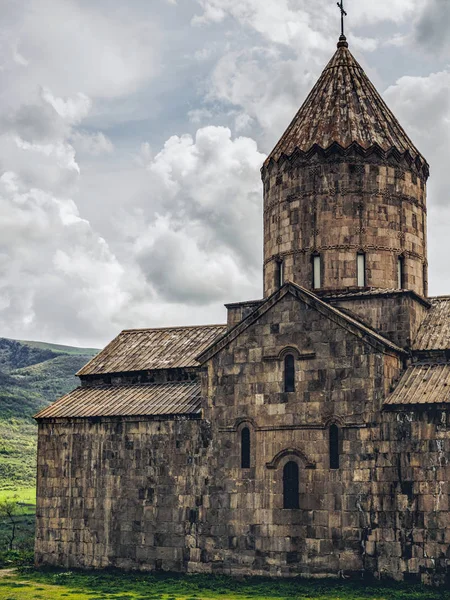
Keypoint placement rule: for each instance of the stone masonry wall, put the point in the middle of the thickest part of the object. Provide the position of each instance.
(343, 381)
(408, 532)
(340, 205)
(397, 316)
(120, 493)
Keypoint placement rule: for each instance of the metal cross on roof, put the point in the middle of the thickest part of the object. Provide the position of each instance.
(343, 14)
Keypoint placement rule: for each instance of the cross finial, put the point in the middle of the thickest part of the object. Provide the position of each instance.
(342, 39)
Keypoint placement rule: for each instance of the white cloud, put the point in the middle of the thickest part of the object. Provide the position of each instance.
(94, 144)
(267, 86)
(432, 30)
(61, 277)
(422, 105)
(72, 110)
(207, 243)
(73, 47)
(99, 230)
(305, 24)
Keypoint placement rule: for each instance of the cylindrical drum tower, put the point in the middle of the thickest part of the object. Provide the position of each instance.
(345, 192)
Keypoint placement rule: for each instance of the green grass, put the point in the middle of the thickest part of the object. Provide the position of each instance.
(56, 584)
(26, 495)
(32, 375)
(17, 455)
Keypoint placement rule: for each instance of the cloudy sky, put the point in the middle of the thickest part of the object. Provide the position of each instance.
(132, 134)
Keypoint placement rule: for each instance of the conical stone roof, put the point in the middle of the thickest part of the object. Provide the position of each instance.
(344, 108)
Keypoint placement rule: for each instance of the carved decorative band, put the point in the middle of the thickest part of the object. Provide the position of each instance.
(368, 194)
(335, 150)
(319, 249)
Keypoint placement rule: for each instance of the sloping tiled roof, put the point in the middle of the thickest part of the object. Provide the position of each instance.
(423, 384)
(144, 349)
(344, 107)
(180, 398)
(434, 333)
(370, 292)
(369, 335)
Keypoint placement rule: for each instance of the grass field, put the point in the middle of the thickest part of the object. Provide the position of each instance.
(52, 585)
(26, 495)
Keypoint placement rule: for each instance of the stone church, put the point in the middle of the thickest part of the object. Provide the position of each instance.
(310, 435)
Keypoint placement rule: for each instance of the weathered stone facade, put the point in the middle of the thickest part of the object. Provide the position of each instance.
(337, 206)
(311, 434)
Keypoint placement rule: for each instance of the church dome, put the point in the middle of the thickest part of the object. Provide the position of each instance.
(345, 108)
(345, 192)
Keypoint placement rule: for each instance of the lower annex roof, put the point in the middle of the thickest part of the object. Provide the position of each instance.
(146, 349)
(423, 384)
(179, 398)
(434, 333)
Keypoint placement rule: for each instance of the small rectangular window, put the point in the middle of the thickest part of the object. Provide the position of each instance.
(334, 447)
(401, 272)
(317, 275)
(361, 269)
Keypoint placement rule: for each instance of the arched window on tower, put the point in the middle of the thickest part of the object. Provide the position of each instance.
(317, 271)
(401, 272)
(361, 269)
(279, 273)
(425, 279)
(290, 485)
(245, 448)
(289, 373)
(334, 446)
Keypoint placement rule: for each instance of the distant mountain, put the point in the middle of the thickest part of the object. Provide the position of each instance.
(32, 375)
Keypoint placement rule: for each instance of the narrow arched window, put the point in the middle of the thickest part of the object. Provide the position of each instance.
(334, 447)
(245, 448)
(425, 278)
(279, 274)
(401, 272)
(317, 271)
(289, 373)
(290, 485)
(361, 269)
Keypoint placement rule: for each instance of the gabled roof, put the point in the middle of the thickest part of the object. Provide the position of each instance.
(423, 384)
(353, 325)
(165, 399)
(434, 333)
(146, 349)
(344, 108)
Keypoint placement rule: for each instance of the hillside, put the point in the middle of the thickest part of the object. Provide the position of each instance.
(32, 375)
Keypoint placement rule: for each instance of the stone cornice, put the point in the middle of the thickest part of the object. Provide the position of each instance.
(420, 167)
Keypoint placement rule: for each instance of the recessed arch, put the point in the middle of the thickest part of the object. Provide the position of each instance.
(289, 350)
(308, 464)
(334, 420)
(291, 485)
(244, 422)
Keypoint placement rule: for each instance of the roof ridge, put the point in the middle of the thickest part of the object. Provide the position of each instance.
(142, 384)
(172, 327)
(233, 333)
